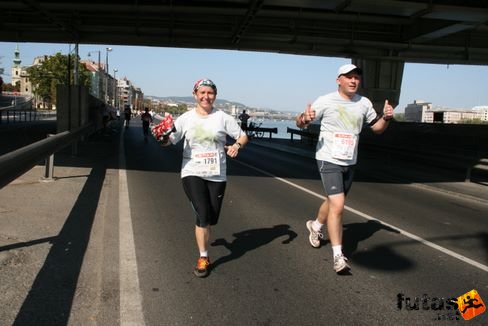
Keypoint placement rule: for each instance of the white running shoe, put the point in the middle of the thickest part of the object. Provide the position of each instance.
(314, 236)
(340, 264)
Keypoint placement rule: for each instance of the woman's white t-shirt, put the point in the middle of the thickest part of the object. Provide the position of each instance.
(204, 139)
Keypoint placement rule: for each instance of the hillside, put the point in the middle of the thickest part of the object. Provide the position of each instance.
(191, 100)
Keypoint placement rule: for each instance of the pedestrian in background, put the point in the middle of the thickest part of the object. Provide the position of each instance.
(146, 118)
(204, 173)
(342, 115)
(244, 117)
(127, 115)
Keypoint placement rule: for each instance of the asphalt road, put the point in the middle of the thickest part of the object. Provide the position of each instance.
(114, 245)
(402, 242)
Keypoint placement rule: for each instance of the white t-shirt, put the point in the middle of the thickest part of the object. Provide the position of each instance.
(203, 149)
(341, 121)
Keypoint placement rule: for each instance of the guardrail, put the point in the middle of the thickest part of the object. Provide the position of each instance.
(16, 163)
(467, 161)
(18, 103)
(15, 116)
(259, 131)
(304, 134)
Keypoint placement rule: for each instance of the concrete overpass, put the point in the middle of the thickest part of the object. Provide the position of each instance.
(378, 35)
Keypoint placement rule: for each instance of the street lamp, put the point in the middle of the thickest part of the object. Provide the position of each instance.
(115, 88)
(107, 73)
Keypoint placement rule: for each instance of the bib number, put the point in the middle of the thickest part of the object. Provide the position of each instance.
(206, 163)
(343, 145)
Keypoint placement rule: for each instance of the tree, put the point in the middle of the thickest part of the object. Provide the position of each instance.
(53, 71)
(399, 116)
(9, 88)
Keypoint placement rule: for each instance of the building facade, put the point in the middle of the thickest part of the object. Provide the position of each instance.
(421, 111)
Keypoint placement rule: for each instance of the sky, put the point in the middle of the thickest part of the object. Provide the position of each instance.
(257, 79)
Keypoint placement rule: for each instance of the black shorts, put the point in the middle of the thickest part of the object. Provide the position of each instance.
(206, 199)
(336, 179)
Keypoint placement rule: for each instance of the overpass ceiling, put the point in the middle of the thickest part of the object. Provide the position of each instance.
(435, 31)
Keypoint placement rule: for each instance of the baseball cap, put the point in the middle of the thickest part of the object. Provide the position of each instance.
(345, 69)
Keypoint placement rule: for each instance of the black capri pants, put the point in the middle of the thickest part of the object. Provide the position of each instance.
(206, 199)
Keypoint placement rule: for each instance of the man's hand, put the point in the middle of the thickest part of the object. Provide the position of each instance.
(306, 117)
(309, 114)
(387, 111)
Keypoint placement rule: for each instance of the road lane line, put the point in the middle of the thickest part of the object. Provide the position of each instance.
(369, 217)
(130, 292)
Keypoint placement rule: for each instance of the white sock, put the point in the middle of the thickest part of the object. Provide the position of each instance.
(337, 250)
(317, 226)
(204, 253)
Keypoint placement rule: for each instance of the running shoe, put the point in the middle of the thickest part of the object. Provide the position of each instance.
(314, 236)
(201, 270)
(340, 264)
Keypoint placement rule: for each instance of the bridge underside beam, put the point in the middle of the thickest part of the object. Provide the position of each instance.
(382, 80)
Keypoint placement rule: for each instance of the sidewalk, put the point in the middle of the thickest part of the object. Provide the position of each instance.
(418, 176)
(51, 235)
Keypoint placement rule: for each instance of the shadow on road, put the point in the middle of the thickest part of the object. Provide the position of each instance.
(378, 257)
(248, 240)
(50, 299)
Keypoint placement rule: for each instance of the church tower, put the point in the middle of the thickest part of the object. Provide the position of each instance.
(16, 68)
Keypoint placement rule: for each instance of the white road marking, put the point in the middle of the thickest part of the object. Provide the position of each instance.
(130, 292)
(369, 217)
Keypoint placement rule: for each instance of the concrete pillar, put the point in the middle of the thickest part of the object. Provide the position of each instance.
(382, 80)
(72, 107)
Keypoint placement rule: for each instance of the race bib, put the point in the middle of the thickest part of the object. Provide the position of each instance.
(206, 163)
(343, 145)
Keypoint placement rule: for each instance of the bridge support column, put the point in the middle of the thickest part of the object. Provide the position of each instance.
(382, 80)
(72, 107)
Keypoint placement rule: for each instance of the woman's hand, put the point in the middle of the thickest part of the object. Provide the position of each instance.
(232, 150)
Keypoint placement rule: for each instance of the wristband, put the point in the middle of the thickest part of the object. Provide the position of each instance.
(387, 119)
(238, 145)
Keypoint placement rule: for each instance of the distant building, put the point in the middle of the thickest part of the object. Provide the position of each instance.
(129, 94)
(482, 111)
(16, 67)
(95, 70)
(20, 77)
(421, 111)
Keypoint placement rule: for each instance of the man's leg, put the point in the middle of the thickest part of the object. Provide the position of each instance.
(323, 212)
(315, 226)
(334, 228)
(334, 218)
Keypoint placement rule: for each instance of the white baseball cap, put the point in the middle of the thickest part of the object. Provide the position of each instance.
(345, 69)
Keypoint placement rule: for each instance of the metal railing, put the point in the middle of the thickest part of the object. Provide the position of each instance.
(22, 111)
(16, 163)
(14, 116)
